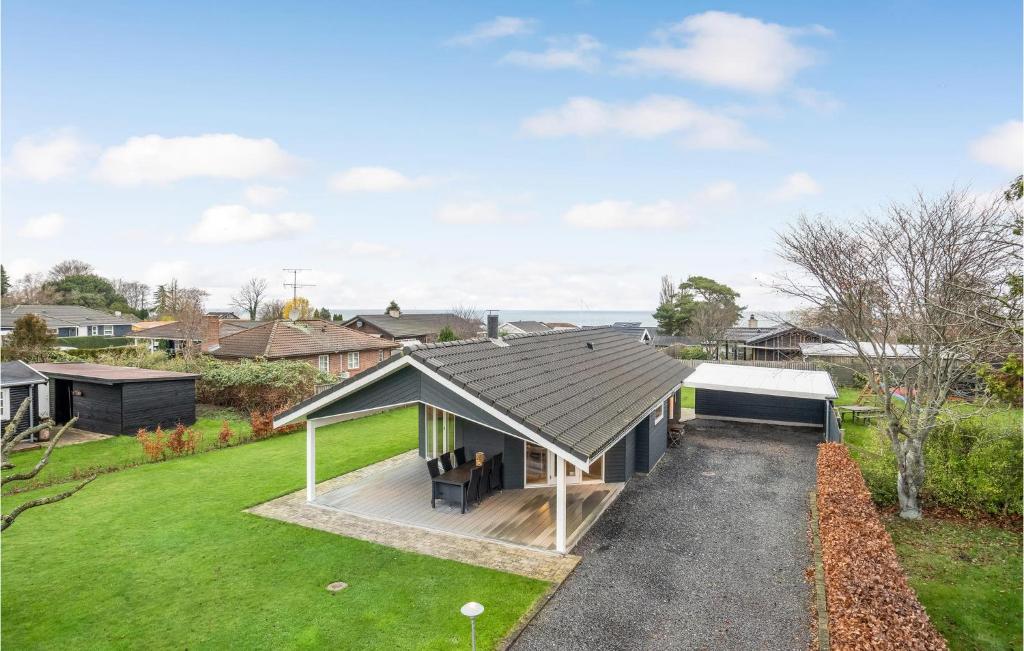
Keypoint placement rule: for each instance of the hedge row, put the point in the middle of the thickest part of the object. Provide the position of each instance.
(94, 341)
(870, 603)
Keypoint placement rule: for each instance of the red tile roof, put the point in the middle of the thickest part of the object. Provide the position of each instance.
(284, 338)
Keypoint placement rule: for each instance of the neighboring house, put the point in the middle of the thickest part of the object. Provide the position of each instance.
(560, 325)
(783, 342)
(70, 320)
(223, 315)
(328, 346)
(574, 414)
(18, 381)
(634, 329)
(172, 335)
(119, 399)
(841, 352)
(412, 328)
(666, 341)
(523, 327)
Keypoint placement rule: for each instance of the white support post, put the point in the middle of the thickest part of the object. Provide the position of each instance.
(560, 505)
(310, 461)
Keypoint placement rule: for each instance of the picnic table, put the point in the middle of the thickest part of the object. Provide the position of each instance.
(445, 484)
(865, 411)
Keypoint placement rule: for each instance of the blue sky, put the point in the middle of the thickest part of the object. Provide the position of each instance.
(528, 156)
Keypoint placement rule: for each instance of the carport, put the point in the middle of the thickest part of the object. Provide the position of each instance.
(775, 396)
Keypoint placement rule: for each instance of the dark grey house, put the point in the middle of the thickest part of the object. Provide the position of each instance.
(119, 399)
(564, 407)
(18, 381)
(71, 320)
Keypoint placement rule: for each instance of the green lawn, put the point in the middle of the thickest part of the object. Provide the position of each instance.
(162, 556)
(116, 452)
(968, 578)
(686, 397)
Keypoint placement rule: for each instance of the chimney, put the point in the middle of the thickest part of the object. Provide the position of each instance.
(211, 333)
(752, 322)
(492, 326)
(394, 313)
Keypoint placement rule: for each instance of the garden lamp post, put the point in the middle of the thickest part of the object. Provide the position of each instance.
(472, 610)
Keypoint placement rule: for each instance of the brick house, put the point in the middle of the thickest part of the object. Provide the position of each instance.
(326, 345)
(410, 328)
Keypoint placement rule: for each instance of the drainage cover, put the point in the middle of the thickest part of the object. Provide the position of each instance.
(337, 586)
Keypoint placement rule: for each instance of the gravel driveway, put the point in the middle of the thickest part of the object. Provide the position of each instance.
(707, 552)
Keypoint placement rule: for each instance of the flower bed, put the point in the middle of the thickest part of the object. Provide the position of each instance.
(870, 604)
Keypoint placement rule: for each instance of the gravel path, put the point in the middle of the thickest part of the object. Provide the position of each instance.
(709, 551)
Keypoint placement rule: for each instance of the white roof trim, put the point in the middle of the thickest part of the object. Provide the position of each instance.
(784, 382)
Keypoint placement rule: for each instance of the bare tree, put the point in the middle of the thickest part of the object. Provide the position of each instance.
(469, 322)
(934, 272)
(11, 437)
(135, 294)
(250, 296)
(66, 268)
(271, 309)
(190, 313)
(30, 289)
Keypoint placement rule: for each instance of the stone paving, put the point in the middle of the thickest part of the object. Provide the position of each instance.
(293, 508)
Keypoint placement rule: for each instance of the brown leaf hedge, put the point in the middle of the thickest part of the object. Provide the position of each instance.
(870, 603)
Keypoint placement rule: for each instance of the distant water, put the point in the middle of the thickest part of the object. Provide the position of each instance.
(577, 317)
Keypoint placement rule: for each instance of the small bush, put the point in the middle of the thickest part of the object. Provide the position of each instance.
(95, 341)
(693, 352)
(870, 603)
(154, 445)
(225, 434)
(262, 423)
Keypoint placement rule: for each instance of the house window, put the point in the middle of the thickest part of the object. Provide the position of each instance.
(353, 360)
(659, 413)
(94, 330)
(325, 363)
(5, 404)
(380, 357)
(108, 331)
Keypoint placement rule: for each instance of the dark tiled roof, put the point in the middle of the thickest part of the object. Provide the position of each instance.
(675, 340)
(826, 333)
(560, 324)
(416, 325)
(108, 374)
(580, 398)
(282, 338)
(16, 373)
(530, 326)
(63, 316)
(173, 329)
(745, 333)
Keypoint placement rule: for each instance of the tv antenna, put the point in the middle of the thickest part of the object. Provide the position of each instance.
(295, 284)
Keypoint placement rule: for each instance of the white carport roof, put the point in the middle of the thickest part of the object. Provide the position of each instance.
(785, 382)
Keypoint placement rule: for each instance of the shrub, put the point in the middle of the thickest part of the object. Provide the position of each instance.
(870, 603)
(95, 341)
(1005, 383)
(262, 423)
(153, 445)
(225, 433)
(693, 352)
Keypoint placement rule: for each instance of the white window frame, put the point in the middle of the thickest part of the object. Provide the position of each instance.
(94, 331)
(353, 360)
(108, 331)
(5, 405)
(380, 356)
(324, 363)
(659, 413)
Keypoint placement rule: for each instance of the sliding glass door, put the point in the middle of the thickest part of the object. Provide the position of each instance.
(540, 468)
(439, 426)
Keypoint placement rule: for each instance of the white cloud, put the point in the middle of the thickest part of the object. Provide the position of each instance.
(609, 214)
(718, 191)
(263, 195)
(651, 117)
(19, 267)
(1002, 146)
(817, 100)
(376, 179)
(43, 227)
(373, 249)
(46, 158)
(156, 159)
(798, 184)
(500, 27)
(475, 212)
(579, 52)
(729, 50)
(232, 223)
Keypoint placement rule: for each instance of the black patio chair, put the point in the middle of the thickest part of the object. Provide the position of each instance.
(474, 485)
(446, 461)
(434, 472)
(485, 479)
(460, 456)
(496, 482)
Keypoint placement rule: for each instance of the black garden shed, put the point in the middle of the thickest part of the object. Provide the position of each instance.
(119, 399)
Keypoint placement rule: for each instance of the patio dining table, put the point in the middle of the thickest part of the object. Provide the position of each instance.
(455, 479)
